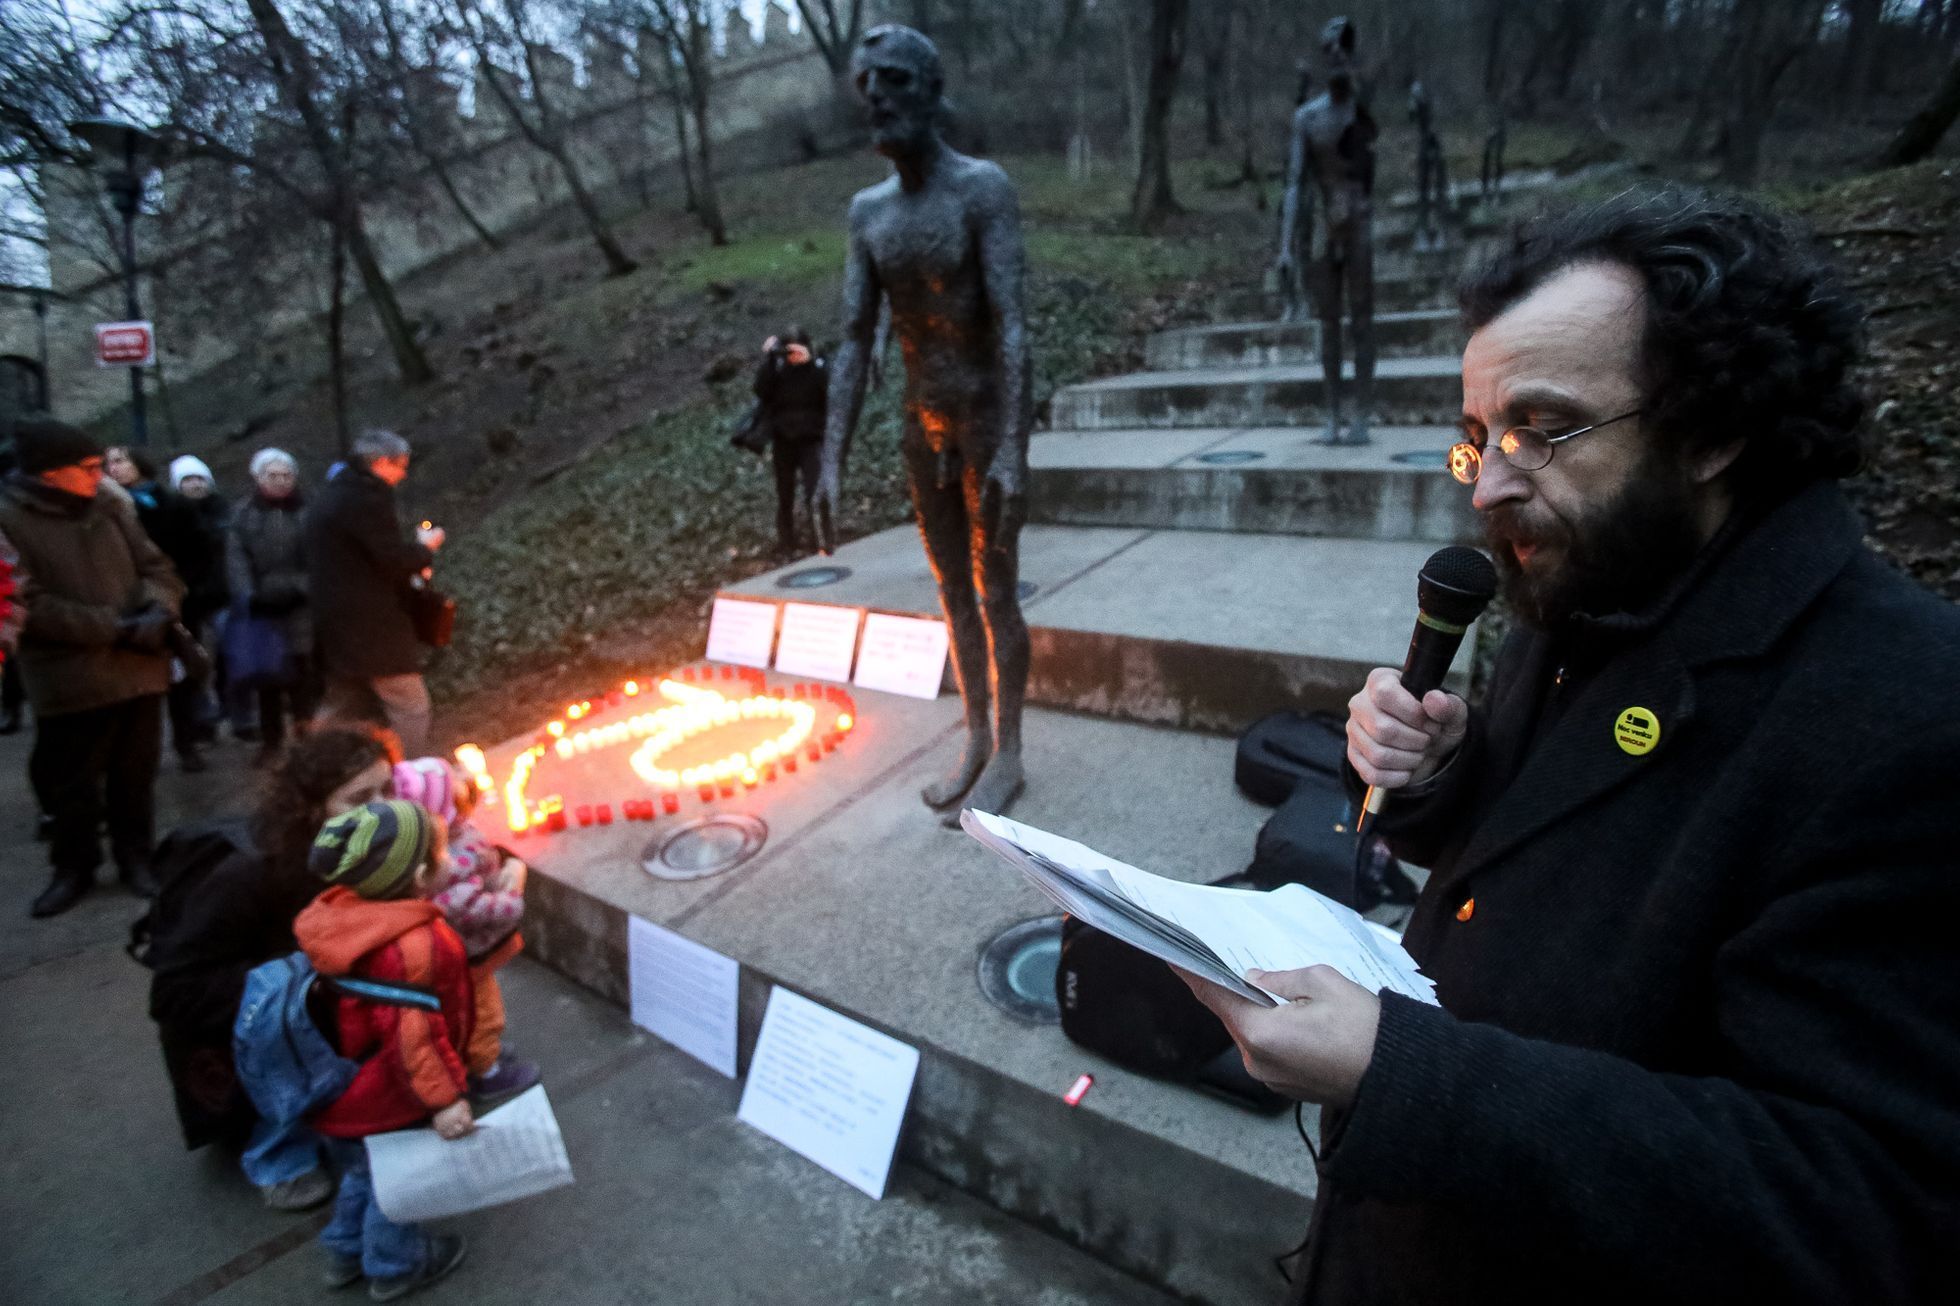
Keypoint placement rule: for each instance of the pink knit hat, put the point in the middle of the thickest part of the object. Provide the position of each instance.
(431, 782)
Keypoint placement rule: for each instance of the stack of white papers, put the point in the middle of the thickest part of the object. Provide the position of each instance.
(515, 1152)
(1216, 934)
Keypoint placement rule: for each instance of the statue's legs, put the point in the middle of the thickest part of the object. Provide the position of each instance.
(1360, 267)
(940, 503)
(996, 569)
(1328, 278)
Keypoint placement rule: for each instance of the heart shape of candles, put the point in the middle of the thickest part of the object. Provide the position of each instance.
(692, 710)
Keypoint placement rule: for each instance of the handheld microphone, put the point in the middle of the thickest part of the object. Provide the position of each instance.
(1452, 590)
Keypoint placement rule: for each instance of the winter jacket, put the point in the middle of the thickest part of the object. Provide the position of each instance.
(173, 523)
(87, 563)
(411, 1060)
(207, 590)
(359, 563)
(483, 916)
(265, 565)
(12, 614)
(1692, 923)
(792, 397)
(240, 916)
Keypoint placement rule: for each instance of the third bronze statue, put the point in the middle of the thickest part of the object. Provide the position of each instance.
(940, 239)
(1332, 159)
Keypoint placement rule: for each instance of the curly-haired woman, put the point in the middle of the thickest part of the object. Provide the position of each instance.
(227, 905)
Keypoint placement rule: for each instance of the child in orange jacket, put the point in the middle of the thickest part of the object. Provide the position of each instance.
(375, 922)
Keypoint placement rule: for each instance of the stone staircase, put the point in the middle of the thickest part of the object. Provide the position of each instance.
(1193, 561)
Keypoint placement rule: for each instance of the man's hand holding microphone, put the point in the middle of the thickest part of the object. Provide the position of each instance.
(1394, 739)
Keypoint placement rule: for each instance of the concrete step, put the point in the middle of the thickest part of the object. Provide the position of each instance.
(1405, 290)
(861, 901)
(1407, 390)
(1192, 628)
(1275, 481)
(1412, 333)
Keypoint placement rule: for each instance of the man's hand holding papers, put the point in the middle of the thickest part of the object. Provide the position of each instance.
(1292, 974)
(1315, 1046)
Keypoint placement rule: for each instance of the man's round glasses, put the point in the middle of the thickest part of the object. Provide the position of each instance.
(1526, 447)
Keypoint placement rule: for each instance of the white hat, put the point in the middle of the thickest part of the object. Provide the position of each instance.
(270, 457)
(189, 465)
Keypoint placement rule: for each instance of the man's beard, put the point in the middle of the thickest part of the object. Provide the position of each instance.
(1617, 557)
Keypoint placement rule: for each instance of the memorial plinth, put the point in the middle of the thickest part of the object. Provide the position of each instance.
(1269, 480)
(1409, 390)
(859, 900)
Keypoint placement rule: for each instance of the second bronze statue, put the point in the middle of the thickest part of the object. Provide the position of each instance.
(941, 241)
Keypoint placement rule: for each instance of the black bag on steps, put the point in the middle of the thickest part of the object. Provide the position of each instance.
(1124, 1004)
(1276, 752)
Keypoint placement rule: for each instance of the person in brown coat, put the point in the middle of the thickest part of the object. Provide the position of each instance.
(101, 602)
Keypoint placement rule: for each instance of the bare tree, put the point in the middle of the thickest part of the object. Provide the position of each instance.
(293, 72)
(1921, 134)
(835, 28)
(1769, 35)
(685, 28)
(1153, 200)
(405, 78)
(511, 34)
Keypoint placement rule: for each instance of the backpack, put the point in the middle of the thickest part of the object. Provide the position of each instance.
(1277, 752)
(182, 863)
(285, 1064)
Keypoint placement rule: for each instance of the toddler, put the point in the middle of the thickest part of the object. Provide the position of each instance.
(382, 861)
(481, 895)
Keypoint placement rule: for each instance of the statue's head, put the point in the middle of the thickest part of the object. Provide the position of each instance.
(1337, 53)
(899, 78)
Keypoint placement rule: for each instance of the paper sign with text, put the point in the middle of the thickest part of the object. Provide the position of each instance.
(684, 993)
(818, 641)
(902, 655)
(742, 632)
(830, 1089)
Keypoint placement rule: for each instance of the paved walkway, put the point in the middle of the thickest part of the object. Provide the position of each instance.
(675, 1202)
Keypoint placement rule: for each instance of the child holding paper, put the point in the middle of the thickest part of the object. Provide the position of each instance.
(481, 895)
(382, 862)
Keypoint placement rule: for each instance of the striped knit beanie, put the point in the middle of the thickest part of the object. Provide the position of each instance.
(429, 782)
(374, 850)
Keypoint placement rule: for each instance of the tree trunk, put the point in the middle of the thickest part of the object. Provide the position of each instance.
(456, 200)
(337, 335)
(1153, 201)
(1860, 48)
(617, 264)
(1498, 11)
(693, 204)
(409, 359)
(704, 151)
(1922, 132)
(1772, 33)
(1218, 36)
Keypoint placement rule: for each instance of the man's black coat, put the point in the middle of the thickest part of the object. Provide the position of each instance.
(359, 564)
(1700, 1033)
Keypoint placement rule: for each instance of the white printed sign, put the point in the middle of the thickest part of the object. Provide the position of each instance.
(902, 655)
(818, 640)
(741, 631)
(684, 993)
(829, 1089)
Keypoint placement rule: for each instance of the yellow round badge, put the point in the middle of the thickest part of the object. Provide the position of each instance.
(1637, 731)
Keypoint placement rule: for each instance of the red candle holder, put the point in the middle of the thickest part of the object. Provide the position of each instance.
(669, 803)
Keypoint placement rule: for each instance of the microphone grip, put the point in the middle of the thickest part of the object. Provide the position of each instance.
(1431, 650)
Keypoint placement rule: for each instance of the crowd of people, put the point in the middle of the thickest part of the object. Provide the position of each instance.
(129, 595)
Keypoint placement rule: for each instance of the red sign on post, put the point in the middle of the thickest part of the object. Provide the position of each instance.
(125, 344)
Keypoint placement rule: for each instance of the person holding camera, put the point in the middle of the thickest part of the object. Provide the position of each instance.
(102, 603)
(791, 388)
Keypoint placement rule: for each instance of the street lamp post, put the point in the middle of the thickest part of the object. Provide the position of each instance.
(125, 148)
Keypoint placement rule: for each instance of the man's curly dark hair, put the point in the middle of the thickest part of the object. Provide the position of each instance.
(1749, 332)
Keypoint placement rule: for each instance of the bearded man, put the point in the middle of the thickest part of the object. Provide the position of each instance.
(1691, 916)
